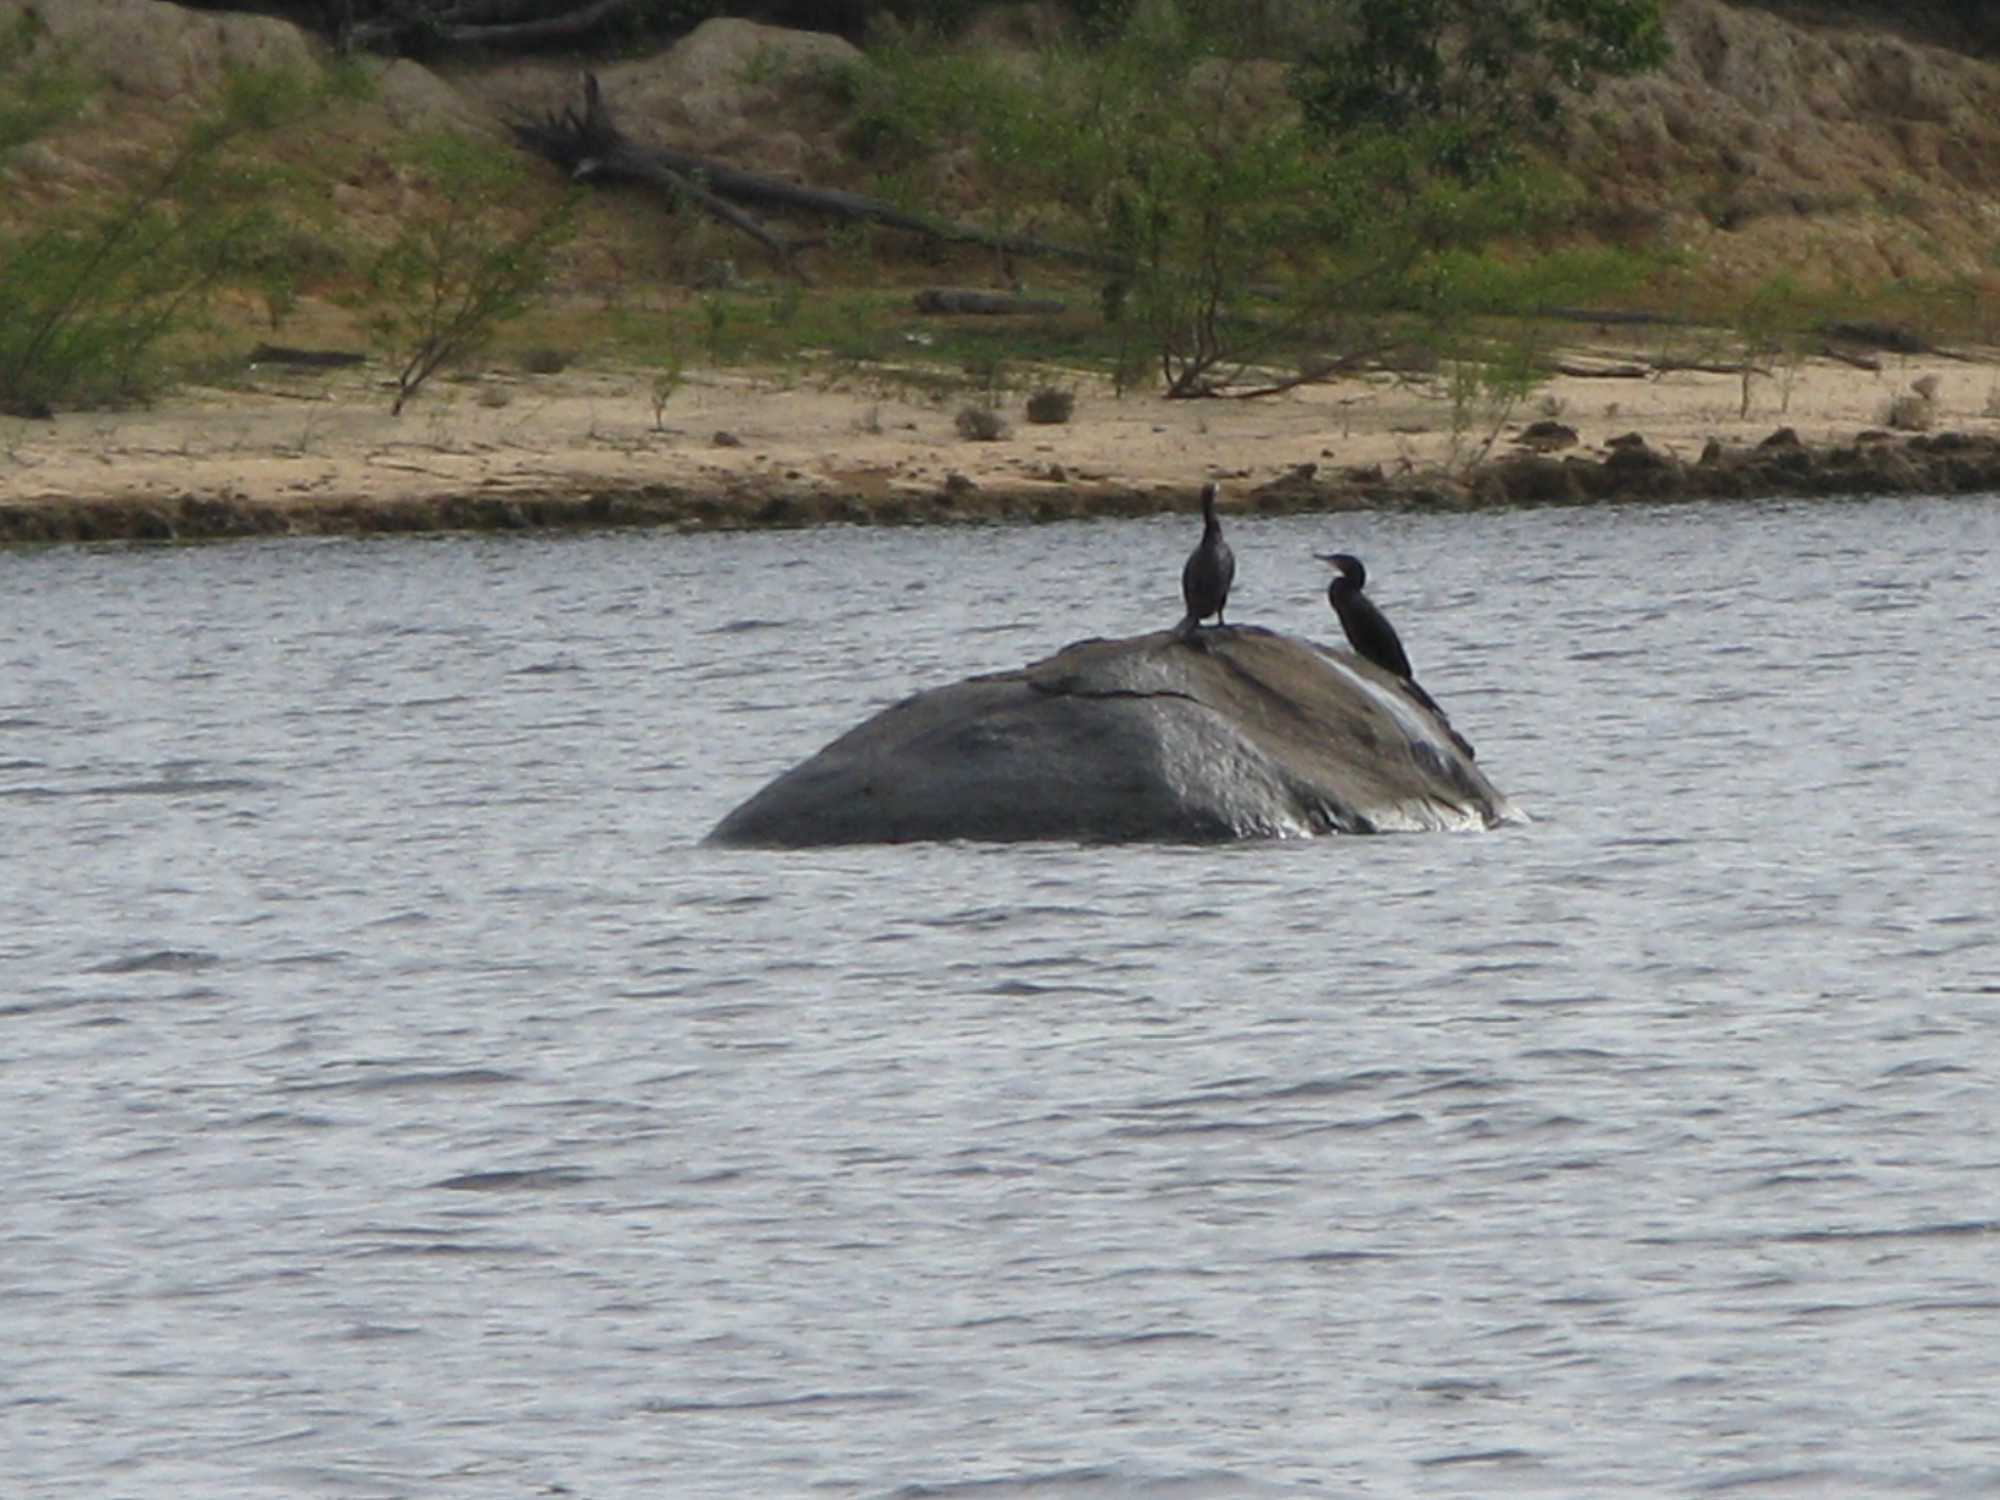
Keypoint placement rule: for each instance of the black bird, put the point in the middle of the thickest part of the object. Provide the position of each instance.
(1374, 638)
(1368, 629)
(1210, 568)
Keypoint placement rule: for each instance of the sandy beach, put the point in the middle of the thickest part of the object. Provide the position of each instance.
(292, 450)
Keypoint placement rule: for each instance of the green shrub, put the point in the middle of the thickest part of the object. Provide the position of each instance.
(474, 262)
(37, 87)
(1230, 217)
(1482, 77)
(87, 299)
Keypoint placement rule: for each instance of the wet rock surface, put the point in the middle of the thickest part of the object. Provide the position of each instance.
(1234, 732)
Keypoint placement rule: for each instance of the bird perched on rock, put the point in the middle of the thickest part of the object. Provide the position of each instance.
(1368, 629)
(1374, 638)
(1210, 569)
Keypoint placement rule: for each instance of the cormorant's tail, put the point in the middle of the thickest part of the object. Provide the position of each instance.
(1411, 686)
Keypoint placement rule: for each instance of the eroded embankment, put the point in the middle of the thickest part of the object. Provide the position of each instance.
(1780, 465)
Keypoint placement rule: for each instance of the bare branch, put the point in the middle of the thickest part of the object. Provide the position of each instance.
(590, 147)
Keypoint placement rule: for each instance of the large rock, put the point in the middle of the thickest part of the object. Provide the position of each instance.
(163, 53)
(1237, 733)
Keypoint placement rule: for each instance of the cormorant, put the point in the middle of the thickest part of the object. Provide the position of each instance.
(1210, 568)
(1368, 629)
(1374, 638)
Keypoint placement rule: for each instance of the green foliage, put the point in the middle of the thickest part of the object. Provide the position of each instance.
(1485, 385)
(37, 88)
(468, 267)
(911, 95)
(1479, 310)
(1230, 216)
(87, 299)
(1482, 77)
(1195, 229)
(1778, 323)
(1181, 197)
(723, 335)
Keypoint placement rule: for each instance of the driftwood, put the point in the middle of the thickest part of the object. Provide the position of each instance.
(1739, 367)
(1586, 367)
(1891, 338)
(1601, 369)
(1617, 316)
(1314, 372)
(591, 148)
(470, 25)
(1849, 357)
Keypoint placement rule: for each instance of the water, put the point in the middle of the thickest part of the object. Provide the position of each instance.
(396, 1101)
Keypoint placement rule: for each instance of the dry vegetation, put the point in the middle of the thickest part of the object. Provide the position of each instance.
(1857, 163)
(1848, 172)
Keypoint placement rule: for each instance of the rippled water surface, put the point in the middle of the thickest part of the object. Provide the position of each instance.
(395, 1100)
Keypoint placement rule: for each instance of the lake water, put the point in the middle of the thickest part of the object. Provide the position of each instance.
(396, 1100)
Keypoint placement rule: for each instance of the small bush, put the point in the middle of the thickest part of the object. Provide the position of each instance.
(37, 89)
(982, 424)
(543, 359)
(468, 267)
(87, 299)
(1911, 411)
(1050, 407)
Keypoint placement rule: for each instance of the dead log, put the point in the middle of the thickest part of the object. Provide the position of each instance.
(1616, 316)
(1891, 338)
(492, 24)
(1669, 365)
(590, 147)
(1600, 369)
(945, 301)
(1848, 357)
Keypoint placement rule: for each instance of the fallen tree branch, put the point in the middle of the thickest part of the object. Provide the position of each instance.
(1891, 338)
(1669, 365)
(950, 300)
(590, 147)
(1593, 369)
(486, 25)
(1849, 357)
(1319, 371)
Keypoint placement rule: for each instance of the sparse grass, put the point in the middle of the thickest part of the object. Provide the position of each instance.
(439, 292)
(866, 334)
(870, 338)
(624, 295)
(91, 296)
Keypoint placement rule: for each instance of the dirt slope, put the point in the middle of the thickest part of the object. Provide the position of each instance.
(1844, 155)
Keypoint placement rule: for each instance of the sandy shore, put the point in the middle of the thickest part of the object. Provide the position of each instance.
(318, 451)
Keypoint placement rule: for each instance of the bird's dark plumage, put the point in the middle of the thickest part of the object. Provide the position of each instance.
(1374, 638)
(1368, 629)
(1210, 568)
